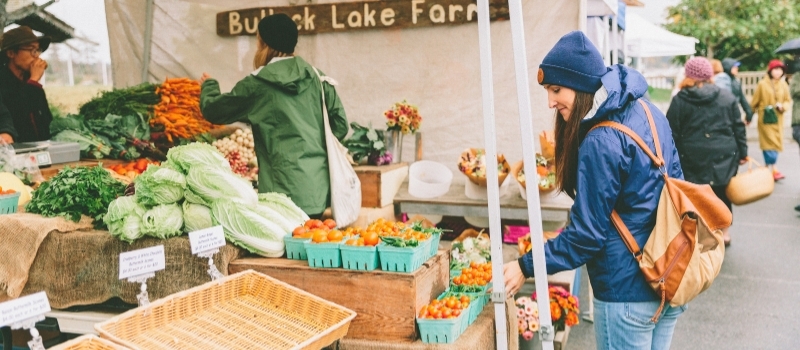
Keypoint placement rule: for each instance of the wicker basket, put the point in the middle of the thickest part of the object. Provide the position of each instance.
(87, 342)
(750, 186)
(247, 310)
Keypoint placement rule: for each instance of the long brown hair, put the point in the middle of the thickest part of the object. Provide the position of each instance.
(689, 82)
(567, 143)
(264, 54)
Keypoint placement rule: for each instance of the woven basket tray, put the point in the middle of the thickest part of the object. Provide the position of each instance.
(87, 342)
(247, 310)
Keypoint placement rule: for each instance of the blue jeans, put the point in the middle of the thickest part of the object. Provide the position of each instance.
(627, 326)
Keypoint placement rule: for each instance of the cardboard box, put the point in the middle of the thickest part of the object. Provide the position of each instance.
(379, 184)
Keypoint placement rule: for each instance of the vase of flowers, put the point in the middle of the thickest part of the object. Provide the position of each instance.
(401, 119)
(563, 308)
(527, 321)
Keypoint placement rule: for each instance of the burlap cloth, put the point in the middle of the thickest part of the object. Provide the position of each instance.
(82, 267)
(479, 336)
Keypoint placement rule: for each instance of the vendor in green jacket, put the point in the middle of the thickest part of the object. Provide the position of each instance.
(282, 101)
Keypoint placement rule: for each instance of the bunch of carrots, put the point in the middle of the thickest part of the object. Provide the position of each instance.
(179, 109)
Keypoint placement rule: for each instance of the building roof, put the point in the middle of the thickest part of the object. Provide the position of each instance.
(27, 13)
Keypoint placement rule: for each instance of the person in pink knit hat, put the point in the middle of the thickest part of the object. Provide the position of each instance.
(708, 130)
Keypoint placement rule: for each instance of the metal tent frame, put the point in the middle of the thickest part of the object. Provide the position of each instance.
(546, 332)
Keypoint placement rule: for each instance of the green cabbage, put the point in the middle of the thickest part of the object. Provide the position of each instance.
(246, 228)
(122, 207)
(159, 185)
(124, 219)
(163, 221)
(211, 183)
(191, 197)
(196, 217)
(197, 154)
(128, 229)
(284, 206)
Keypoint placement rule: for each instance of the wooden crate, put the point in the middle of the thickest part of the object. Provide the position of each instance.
(369, 215)
(379, 184)
(386, 303)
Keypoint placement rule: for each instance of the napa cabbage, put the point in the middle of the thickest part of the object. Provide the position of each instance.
(163, 221)
(196, 217)
(159, 185)
(282, 204)
(245, 226)
(210, 184)
(196, 154)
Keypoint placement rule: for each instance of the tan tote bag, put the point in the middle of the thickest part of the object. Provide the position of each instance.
(684, 252)
(345, 185)
(752, 185)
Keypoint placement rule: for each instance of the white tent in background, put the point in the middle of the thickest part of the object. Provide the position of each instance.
(645, 39)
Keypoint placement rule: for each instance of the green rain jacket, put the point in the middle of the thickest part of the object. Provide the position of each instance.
(283, 104)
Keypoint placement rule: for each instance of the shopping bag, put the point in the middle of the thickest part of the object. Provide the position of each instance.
(345, 185)
(749, 186)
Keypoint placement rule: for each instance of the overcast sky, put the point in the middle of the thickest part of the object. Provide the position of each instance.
(89, 19)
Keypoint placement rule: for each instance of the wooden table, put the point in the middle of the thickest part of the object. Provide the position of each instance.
(386, 302)
(456, 203)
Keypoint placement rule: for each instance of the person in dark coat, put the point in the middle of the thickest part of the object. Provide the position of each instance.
(731, 68)
(708, 130)
(20, 73)
(605, 170)
(7, 131)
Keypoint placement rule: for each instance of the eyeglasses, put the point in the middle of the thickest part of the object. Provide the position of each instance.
(35, 51)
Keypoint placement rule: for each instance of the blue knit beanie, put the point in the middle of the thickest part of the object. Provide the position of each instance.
(573, 63)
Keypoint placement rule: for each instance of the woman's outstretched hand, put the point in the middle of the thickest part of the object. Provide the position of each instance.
(513, 277)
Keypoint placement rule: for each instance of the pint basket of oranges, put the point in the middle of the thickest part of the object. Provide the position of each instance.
(321, 242)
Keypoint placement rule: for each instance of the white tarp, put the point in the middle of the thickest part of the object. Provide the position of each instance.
(595, 8)
(436, 68)
(645, 39)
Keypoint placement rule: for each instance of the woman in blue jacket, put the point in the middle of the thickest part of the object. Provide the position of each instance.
(604, 170)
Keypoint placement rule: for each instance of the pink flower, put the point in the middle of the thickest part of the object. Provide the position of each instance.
(527, 335)
(520, 313)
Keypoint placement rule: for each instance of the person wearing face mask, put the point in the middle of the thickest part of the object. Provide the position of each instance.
(603, 170)
(769, 101)
(21, 70)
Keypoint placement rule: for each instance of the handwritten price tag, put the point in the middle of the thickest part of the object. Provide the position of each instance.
(24, 308)
(206, 239)
(142, 261)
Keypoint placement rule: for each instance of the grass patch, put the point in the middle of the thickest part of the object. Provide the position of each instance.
(68, 99)
(659, 95)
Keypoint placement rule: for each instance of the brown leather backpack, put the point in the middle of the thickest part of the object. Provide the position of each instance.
(685, 250)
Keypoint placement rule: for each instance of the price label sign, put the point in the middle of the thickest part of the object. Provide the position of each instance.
(24, 308)
(142, 261)
(207, 239)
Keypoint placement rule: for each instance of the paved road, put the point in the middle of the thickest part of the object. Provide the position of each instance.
(755, 302)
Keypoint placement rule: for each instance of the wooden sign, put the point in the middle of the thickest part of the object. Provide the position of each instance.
(362, 15)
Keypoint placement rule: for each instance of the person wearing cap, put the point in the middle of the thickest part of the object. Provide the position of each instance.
(282, 101)
(708, 130)
(772, 92)
(604, 170)
(21, 70)
(731, 67)
(720, 78)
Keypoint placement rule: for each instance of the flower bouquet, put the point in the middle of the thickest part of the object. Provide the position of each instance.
(544, 168)
(403, 117)
(563, 308)
(527, 317)
(473, 165)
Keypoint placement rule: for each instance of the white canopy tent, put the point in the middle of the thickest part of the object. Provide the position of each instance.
(598, 13)
(645, 39)
(377, 68)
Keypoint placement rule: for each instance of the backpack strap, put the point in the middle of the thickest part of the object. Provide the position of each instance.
(657, 159)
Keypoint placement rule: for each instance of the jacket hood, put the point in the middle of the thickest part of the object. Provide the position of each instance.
(728, 64)
(622, 85)
(292, 75)
(701, 95)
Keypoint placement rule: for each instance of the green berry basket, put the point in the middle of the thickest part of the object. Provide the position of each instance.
(359, 258)
(474, 309)
(434, 241)
(9, 203)
(440, 331)
(323, 254)
(403, 259)
(295, 247)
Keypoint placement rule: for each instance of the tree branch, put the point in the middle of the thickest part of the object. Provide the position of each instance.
(745, 55)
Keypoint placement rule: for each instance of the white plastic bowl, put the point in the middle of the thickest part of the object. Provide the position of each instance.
(427, 179)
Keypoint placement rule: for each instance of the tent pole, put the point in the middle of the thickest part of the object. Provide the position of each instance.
(493, 188)
(148, 41)
(615, 40)
(546, 332)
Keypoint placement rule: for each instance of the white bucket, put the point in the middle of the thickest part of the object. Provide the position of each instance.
(428, 179)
